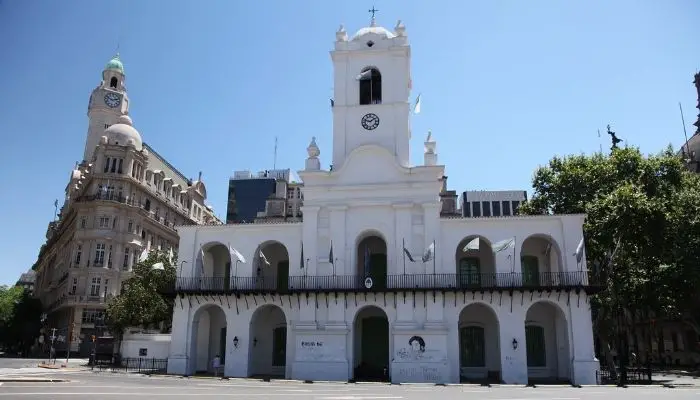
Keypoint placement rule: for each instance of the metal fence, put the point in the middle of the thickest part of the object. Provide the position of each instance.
(634, 376)
(137, 365)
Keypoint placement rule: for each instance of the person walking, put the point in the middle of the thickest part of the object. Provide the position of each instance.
(216, 364)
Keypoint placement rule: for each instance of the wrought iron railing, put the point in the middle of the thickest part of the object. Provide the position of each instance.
(354, 283)
(137, 365)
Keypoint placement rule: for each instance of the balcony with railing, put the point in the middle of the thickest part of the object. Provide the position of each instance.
(546, 281)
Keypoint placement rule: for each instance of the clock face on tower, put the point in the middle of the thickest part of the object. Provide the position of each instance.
(112, 100)
(370, 121)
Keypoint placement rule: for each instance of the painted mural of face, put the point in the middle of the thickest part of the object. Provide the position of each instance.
(417, 344)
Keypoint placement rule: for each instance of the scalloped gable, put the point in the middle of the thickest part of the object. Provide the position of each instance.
(371, 165)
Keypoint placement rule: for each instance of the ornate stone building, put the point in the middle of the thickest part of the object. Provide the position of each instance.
(382, 278)
(121, 199)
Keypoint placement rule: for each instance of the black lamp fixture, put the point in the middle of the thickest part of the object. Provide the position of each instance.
(235, 342)
(255, 342)
(515, 344)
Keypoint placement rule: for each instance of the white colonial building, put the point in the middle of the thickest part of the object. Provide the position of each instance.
(337, 295)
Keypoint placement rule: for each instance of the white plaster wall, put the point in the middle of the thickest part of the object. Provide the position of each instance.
(157, 345)
(312, 321)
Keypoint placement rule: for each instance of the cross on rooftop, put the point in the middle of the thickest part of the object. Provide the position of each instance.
(373, 11)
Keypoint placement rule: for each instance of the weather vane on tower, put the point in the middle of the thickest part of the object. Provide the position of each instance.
(373, 11)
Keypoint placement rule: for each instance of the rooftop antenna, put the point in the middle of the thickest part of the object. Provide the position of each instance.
(600, 143)
(274, 162)
(687, 147)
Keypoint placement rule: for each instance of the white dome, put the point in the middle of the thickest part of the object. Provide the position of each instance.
(122, 133)
(373, 30)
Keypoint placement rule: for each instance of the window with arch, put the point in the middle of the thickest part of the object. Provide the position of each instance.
(531, 270)
(113, 82)
(370, 86)
(469, 271)
(279, 346)
(534, 342)
(472, 348)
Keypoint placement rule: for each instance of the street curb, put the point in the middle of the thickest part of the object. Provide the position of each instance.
(33, 380)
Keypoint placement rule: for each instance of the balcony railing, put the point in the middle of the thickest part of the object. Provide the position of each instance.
(408, 282)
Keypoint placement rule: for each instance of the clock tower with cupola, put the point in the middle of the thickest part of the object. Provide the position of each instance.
(372, 85)
(108, 102)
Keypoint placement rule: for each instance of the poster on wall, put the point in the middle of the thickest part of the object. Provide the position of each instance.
(420, 348)
(320, 348)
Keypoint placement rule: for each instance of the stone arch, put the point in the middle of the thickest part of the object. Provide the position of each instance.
(370, 84)
(271, 266)
(267, 347)
(540, 261)
(371, 344)
(372, 252)
(214, 265)
(475, 263)
(208, 339)
(547, 343)
(478, 335)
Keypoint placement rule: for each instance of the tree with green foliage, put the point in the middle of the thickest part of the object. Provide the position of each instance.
(642, 234)
(20, 319)
(142, 302)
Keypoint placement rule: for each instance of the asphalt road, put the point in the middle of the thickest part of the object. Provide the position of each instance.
(87, 385)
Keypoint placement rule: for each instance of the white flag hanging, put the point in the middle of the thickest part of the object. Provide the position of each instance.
(579, 251)
(158, 265)
(416, 108)
(263, 258)
(236, 254)
(504, 245)
(429, 252)
(365, 75)
(144, 254)
(473, 244)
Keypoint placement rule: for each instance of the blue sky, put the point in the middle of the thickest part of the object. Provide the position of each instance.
(506, 85)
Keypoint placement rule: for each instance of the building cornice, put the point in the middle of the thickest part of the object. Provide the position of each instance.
(551, 217)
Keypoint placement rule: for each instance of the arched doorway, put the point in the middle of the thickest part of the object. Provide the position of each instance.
(271, 267)
(215, 265)
(479, 344)
(372, 261)
(267, 348)
(208, 338)
(371, 345)
(547, 343)
(540, 261)
(475, 263)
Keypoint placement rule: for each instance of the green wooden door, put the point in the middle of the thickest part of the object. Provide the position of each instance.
(472, 348)
(469, 272)
(375, 345)
(222, 346)
(279, 346)
(378, 270)
(531, 270)
(282, 276)
(227, 279)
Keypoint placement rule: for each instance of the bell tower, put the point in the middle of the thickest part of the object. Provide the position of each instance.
(372, 85)
(108, 102)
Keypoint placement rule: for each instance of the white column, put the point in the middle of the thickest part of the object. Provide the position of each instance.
(403, 235)
(431, 221)
(513, 360)
(180, 339)
(580, 327)
(310, 239)
(338, 236)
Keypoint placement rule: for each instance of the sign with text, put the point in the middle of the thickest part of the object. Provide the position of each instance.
(320, 347)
